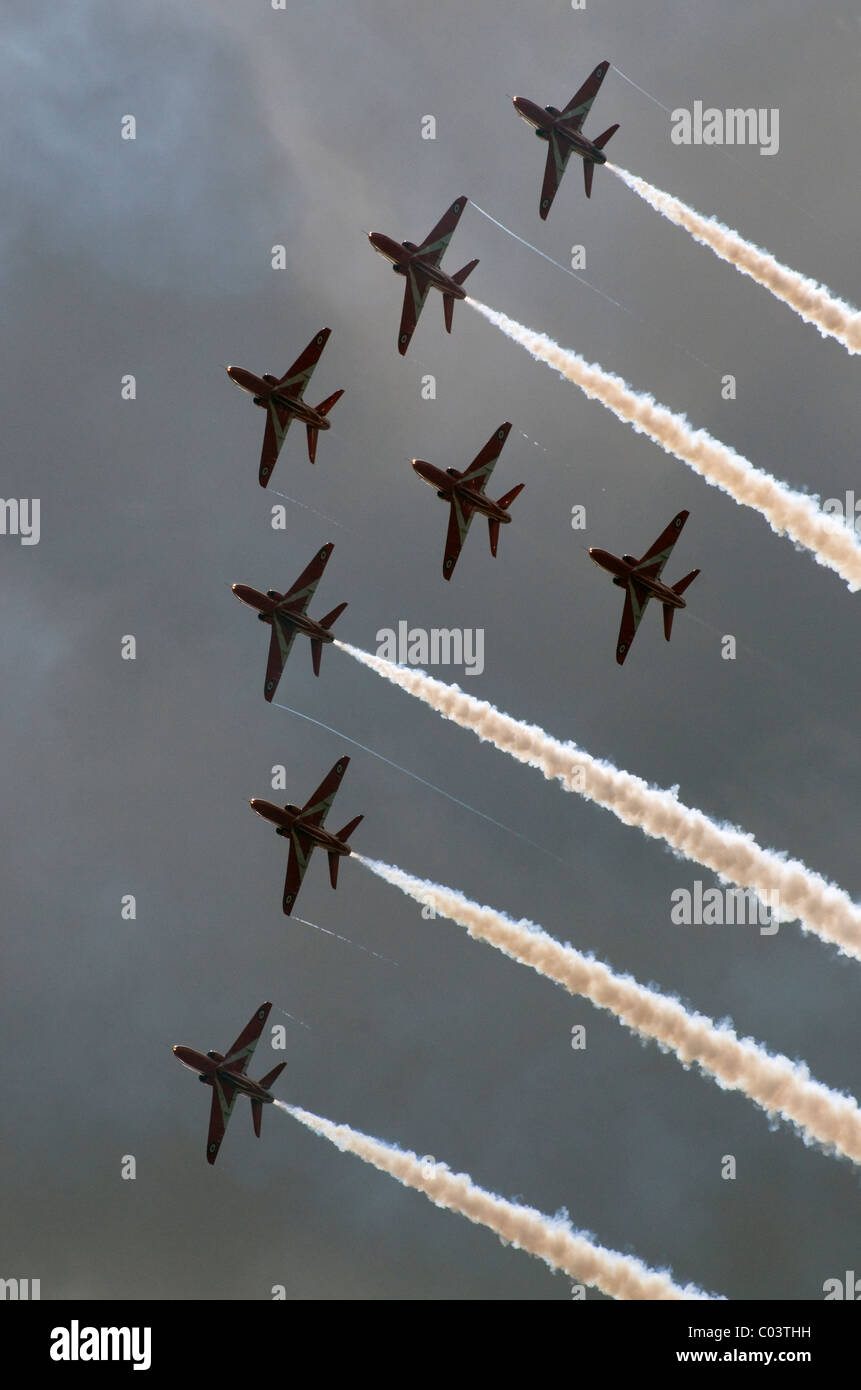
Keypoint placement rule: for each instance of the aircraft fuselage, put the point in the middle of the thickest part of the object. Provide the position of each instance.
(265, 392)
(267, 607)
(406, 257)
(207, 1069)
(448, 483)
(287, 818)
(623, 568)
(544, 121)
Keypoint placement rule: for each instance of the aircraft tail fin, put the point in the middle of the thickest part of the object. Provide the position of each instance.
(325, 406)
(312, 442)
(669, 610)
(604, 139)
(316, 654)
(683, 583)
(588, 171)
(448, 310)
(349, 828)
(493, 524)
(257, 1105)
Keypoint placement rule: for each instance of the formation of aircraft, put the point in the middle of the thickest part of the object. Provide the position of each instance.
(420, 266)
(641, 579)
(225, 1073)
(563, 131)
(303, 826)
(282, 399)
(465, 494)
(287, 614)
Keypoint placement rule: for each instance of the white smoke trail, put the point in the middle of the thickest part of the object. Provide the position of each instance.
(733, 854)
(550, 1238)
(779, 1086)
(828, 538)
(814, 302)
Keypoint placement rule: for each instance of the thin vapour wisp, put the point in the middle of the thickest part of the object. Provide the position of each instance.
(821, 907)
(827, 537)
(779, 1086)
(814, 302)
(550, 1238)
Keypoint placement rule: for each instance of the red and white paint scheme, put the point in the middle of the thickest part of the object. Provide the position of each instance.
(282, 401)
(642, 580)
(286, 615)
(225, 1073)
(420, 267)
(563, 131)
(303, 827)
(465, 494)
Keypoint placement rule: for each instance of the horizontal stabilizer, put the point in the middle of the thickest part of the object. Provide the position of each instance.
(601, 140)
(334, 861)
(312, 442)
(325, 406)
(448, 310)
(271, 1076)
(345, 834)
(509, 497)
(683, 583)
(330, 617)
(461, 274)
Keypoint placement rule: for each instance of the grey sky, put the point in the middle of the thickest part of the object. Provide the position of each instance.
(152, 257)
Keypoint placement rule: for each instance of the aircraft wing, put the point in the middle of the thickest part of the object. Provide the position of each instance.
(240, 1054)
(317, 808)
(459, 521)
(580, 104)
(558, 154)
(483, 464)
(301, 849)
(436, 241)
(658, 554)
(277, 425)
(223, 1101)
(296, 378)
(280, 644)
(301, 593)
(636, 599)
(415, 293)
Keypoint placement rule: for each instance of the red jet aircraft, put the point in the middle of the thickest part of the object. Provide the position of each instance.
(226, 1076)
(282, 400)
(286, 615)
(465, 493)
(642, 579)
(563, 132)
(303, 826)
(420, 266)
